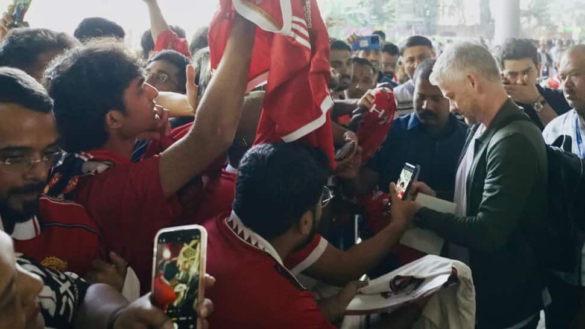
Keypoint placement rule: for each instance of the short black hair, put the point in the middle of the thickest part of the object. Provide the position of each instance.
(179, 60)
(22, 89)
(424, 70)
(514, 49)
(416, 41)
(147, 43)
(381, 34)
(98, 27)
(85, 84)
(278, 183)
(339, 45)
(199, 40)
(22, 46)
(391, 49)
(364, 62)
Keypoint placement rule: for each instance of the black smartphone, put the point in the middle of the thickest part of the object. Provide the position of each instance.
(408, 175)
(179, 273)
(20, 7)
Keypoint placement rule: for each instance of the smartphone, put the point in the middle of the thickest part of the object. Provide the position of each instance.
(19, 11)
(179, 273)
(408, 175)
(370, 42)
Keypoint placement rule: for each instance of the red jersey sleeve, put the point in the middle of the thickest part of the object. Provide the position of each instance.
(170, 40)
(304, 258)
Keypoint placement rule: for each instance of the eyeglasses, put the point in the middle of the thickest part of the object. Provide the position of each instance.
(159, 76)
(326, 197)
(25, 164)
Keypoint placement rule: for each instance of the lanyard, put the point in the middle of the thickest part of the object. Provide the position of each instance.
(579, 138)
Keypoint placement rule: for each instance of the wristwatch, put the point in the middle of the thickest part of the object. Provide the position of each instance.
(539, 105)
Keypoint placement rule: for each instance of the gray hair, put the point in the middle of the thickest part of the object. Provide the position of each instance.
(462, 58)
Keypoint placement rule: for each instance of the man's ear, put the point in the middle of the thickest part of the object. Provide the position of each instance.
(538, 68)
(472, 80)
(114, 120)
(306, 223)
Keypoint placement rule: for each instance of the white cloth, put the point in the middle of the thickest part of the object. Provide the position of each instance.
(451, 307)
(131, 289)
(565, 125)
(455, 251)
(404, 95)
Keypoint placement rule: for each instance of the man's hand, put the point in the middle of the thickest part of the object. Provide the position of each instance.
(348, 167)
(163, 126)
(192, 88)
(368, 99)
(402, 211)
(526, 93)
(5, 22)
(205, 309)
(334, 307)
(141, 314)
(352, 38)
(420, 187)
(111, 274)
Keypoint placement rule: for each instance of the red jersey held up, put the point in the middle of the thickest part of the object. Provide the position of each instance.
(64, 239)
(251, 270)
(291, 54)
(170, 40)
(378, 120)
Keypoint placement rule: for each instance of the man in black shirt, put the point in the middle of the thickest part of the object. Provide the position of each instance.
(520, 65)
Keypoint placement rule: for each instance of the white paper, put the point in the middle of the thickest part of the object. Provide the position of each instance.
(423, 240)
(436, 204)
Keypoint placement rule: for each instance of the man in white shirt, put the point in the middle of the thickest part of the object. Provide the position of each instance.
(416, 50)
(567, 289)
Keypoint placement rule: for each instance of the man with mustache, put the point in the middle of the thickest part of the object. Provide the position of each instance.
(41, 227)
(340, 62)
(430, 137)
(567, 289)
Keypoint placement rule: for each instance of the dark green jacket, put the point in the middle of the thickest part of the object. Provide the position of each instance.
(506, 207)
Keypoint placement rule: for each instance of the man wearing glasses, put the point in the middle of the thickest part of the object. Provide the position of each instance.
(273, 216)
(37, 223)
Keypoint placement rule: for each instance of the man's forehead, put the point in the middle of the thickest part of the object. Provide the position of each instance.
(25, 128)
(340, 53)
(417, 50)
(518, 65)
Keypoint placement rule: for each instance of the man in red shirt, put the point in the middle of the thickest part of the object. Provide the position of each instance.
(274, 215)
(59, 234)
(100, 113)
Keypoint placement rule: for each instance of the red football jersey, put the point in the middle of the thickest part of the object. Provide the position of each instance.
(126, 201)
(170, 40)
(256, 290)
(291, 54)
(218, 197)
(66, 239)
(378, 120)
(304, 258)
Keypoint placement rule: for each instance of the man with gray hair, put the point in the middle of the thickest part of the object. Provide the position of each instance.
(500, 192)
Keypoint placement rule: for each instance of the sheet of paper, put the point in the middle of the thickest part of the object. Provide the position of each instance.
(436, 204)
(423, 240)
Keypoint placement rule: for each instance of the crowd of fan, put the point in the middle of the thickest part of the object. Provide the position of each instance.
(101, 147)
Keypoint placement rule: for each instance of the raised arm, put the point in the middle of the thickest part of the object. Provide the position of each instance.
(217, 116)
(158, 24)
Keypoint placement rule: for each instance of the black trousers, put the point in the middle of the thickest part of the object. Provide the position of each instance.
(566, 303)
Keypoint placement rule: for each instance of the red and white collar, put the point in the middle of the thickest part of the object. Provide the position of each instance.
(25, 231)
(248, 236)
(231, 170)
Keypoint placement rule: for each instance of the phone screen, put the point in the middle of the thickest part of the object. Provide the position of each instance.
(177, 274)
(20, 9)
(405, 179)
